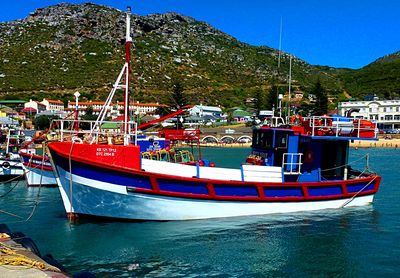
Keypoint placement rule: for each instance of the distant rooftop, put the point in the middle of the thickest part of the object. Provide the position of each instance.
(8, 101)
(8, 121)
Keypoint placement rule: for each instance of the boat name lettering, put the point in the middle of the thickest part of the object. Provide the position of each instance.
(105, 151)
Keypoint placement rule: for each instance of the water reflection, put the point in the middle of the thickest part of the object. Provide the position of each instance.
(278, 244)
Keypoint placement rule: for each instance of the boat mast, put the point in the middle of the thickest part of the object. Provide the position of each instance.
(120, 83)
(280, 45)
(128, 43)
(290, 86)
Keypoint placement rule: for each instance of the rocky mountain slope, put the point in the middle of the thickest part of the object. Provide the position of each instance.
(381, 77)
(64, 48)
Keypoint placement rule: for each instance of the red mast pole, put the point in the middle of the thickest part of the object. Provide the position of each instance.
(128, 43)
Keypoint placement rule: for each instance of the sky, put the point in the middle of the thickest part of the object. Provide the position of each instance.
(336, 33)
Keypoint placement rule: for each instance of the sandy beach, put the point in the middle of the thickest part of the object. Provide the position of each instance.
(381, 143)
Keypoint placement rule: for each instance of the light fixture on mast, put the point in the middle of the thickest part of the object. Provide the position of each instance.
(280, 97)
(77, 95)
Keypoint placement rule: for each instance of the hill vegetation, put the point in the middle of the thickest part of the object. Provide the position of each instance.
(60, 49)
(381, 77)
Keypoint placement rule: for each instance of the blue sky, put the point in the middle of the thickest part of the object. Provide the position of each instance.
(338, 33)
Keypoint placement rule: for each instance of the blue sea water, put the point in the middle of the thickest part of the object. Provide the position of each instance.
(352, 242)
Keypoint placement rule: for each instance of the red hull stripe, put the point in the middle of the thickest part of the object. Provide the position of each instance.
(195, 188)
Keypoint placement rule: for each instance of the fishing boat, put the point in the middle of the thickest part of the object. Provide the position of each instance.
(37, 169)
(11, 166)
(303, 166)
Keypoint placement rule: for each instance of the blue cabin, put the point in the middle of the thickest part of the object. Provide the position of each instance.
(302, 157)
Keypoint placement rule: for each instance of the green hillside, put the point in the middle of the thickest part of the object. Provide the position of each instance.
(58, 50)
(381, 77)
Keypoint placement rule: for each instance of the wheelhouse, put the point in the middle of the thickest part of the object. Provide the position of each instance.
(302, 157)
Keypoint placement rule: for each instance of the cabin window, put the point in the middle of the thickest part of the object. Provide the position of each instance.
(262, 139)
(281, 139)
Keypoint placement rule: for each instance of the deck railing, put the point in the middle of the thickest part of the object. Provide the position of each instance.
(109, 132)
(292, 162)
(340, 127)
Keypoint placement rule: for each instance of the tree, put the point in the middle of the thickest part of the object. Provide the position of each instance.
(178, 98)
(229, 114)
(163, 111)
(259, 101)
(321, 103)
(43, 122)
(89, 116)
(272, 98)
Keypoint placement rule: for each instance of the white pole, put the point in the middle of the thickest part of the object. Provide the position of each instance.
(280, 45)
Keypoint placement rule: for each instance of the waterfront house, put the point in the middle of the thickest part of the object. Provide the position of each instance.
(386, 113)
(241, 116)
(53, 105)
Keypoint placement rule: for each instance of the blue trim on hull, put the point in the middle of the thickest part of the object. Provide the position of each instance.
(88, 171)
(182, 187)
(226, 190)
(283, 192)
(325, 191)
(351, 188)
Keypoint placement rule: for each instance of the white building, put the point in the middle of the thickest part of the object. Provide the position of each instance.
(84, 105)
(115, 109)
(386, 113)
(39, 107)
(140, 108)
(202, 110)
(53, 105)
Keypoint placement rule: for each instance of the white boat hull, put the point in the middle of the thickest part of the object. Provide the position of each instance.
(91, 197)
(39, 177)
(11, 168)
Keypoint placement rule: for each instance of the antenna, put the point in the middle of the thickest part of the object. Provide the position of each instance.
(290, 84)
(280, 45)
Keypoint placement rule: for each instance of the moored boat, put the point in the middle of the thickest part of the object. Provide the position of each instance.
(10, 164)
(38, 170)
(300, 167)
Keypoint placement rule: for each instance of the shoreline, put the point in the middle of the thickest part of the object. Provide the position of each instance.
(381, 143)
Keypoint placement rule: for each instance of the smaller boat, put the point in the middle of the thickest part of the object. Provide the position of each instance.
(11, 166)
(37, 169)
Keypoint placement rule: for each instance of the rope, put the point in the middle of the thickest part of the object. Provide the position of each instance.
(12, 179)
(9, 213)
(344, 165)
(12, 188)
(37, 196)
(355, 195)
(10, 256)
